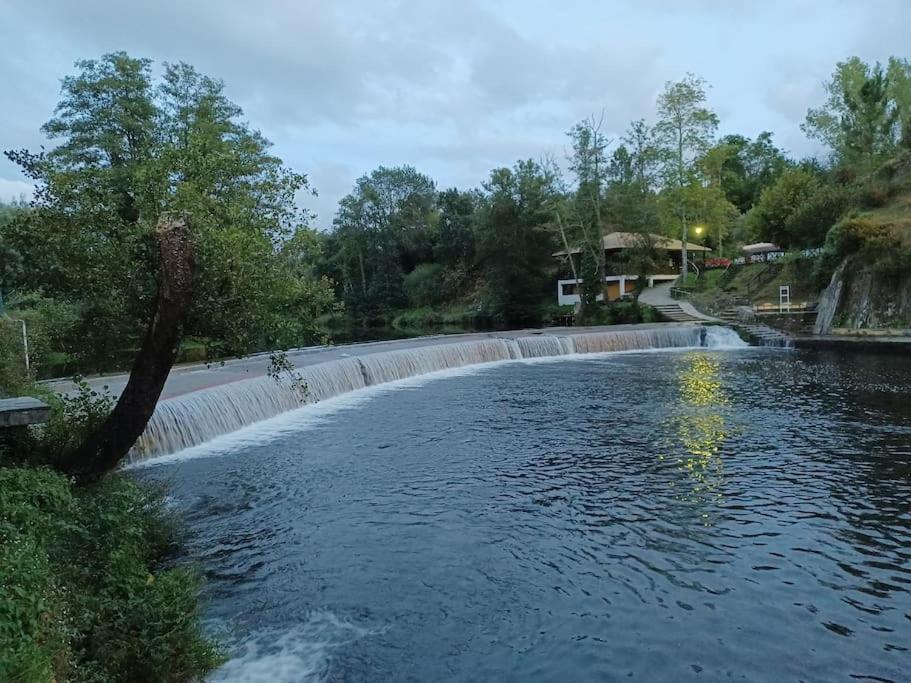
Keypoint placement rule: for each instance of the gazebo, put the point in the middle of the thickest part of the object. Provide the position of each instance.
(760, 248)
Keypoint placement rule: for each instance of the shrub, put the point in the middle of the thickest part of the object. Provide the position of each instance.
(649, 314)
(84, 595)
(48, 323)
(73, 418)
(875, 195)
(424, 285)
(884, 245)
(624, 311)
(854, 234)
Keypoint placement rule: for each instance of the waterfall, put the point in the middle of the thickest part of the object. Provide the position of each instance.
(722, 338)
(541, 345)
(627, 340)
(199, 416)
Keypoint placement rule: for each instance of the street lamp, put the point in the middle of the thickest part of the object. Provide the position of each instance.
(699, 229)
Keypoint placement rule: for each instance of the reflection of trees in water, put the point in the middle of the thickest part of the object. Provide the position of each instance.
(866, 450)
(700, 427)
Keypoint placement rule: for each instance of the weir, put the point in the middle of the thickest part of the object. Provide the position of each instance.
(194, 418)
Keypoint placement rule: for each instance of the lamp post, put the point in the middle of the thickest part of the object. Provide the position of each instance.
(698, 230)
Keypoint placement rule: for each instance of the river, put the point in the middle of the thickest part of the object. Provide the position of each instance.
(691, 514)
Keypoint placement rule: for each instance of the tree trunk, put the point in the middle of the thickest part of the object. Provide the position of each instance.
(360, 261)
(109, 444)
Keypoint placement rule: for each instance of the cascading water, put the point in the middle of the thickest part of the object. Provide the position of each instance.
(200, 416)
(722, 338)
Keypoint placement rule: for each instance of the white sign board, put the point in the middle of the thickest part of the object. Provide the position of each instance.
(784, 298)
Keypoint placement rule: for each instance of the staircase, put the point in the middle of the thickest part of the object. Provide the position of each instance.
(674, 313)
(759, 334)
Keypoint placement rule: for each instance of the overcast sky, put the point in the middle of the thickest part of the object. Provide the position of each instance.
(453, 87)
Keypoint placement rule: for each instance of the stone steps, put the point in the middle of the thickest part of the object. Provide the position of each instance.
(758, 333)
(674, 313)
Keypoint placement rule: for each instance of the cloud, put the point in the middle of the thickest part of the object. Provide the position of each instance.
(454, 88)
(11, 190)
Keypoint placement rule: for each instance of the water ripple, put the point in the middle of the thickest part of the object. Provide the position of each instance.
(664, 516)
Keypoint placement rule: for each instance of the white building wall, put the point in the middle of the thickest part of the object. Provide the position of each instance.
(573, 299)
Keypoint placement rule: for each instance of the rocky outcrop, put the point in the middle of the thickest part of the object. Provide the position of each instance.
(859, 297)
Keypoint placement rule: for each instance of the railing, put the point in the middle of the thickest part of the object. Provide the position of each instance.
(728, 275)
(762, 278)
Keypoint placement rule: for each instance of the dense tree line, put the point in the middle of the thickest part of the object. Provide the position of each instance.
(128, 151)
(130, 148)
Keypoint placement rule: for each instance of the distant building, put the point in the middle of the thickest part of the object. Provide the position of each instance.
(618, 281)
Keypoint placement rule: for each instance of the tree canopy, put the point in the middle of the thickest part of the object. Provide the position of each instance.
(130, 149)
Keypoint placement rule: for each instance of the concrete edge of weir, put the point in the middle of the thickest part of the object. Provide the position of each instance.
(190, 377)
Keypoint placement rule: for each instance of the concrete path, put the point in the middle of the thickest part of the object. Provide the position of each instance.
(193, 377)
(659, 297)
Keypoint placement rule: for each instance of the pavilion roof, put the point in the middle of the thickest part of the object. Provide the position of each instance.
(616, 241)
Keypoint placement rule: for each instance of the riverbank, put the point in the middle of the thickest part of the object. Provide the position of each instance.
(88, 588)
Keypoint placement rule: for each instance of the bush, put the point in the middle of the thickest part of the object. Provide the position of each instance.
(875, 195)
(424, 285)
(859, 233)
(48, 323)
(622, 312)
(83, 592)
(884, 245)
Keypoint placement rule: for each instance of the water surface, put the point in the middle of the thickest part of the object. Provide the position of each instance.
(690, 515)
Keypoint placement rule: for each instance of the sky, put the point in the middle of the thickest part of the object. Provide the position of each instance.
(452, 87)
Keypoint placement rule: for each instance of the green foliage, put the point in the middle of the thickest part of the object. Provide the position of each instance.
(798, 209)
(85, 596)
(130, 149)
(866, 110)
(384, 228)
(455, 245)
(73, 417)
(684, 130)
(514, 248)
(427, 319)
(683, 134)
(743, 168)
(48, 322)
(884, 244)
(623, 312)
(424, 285)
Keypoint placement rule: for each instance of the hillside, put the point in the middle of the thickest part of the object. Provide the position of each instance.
(871, 284)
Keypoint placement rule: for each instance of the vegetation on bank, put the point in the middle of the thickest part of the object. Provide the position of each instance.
(87, 589)
(90, 586)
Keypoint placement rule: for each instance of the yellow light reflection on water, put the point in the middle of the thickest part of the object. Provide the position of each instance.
(700, 427)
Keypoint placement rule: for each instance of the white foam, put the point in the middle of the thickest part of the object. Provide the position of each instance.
(308, 416)
(302, 653)
(219, 418)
